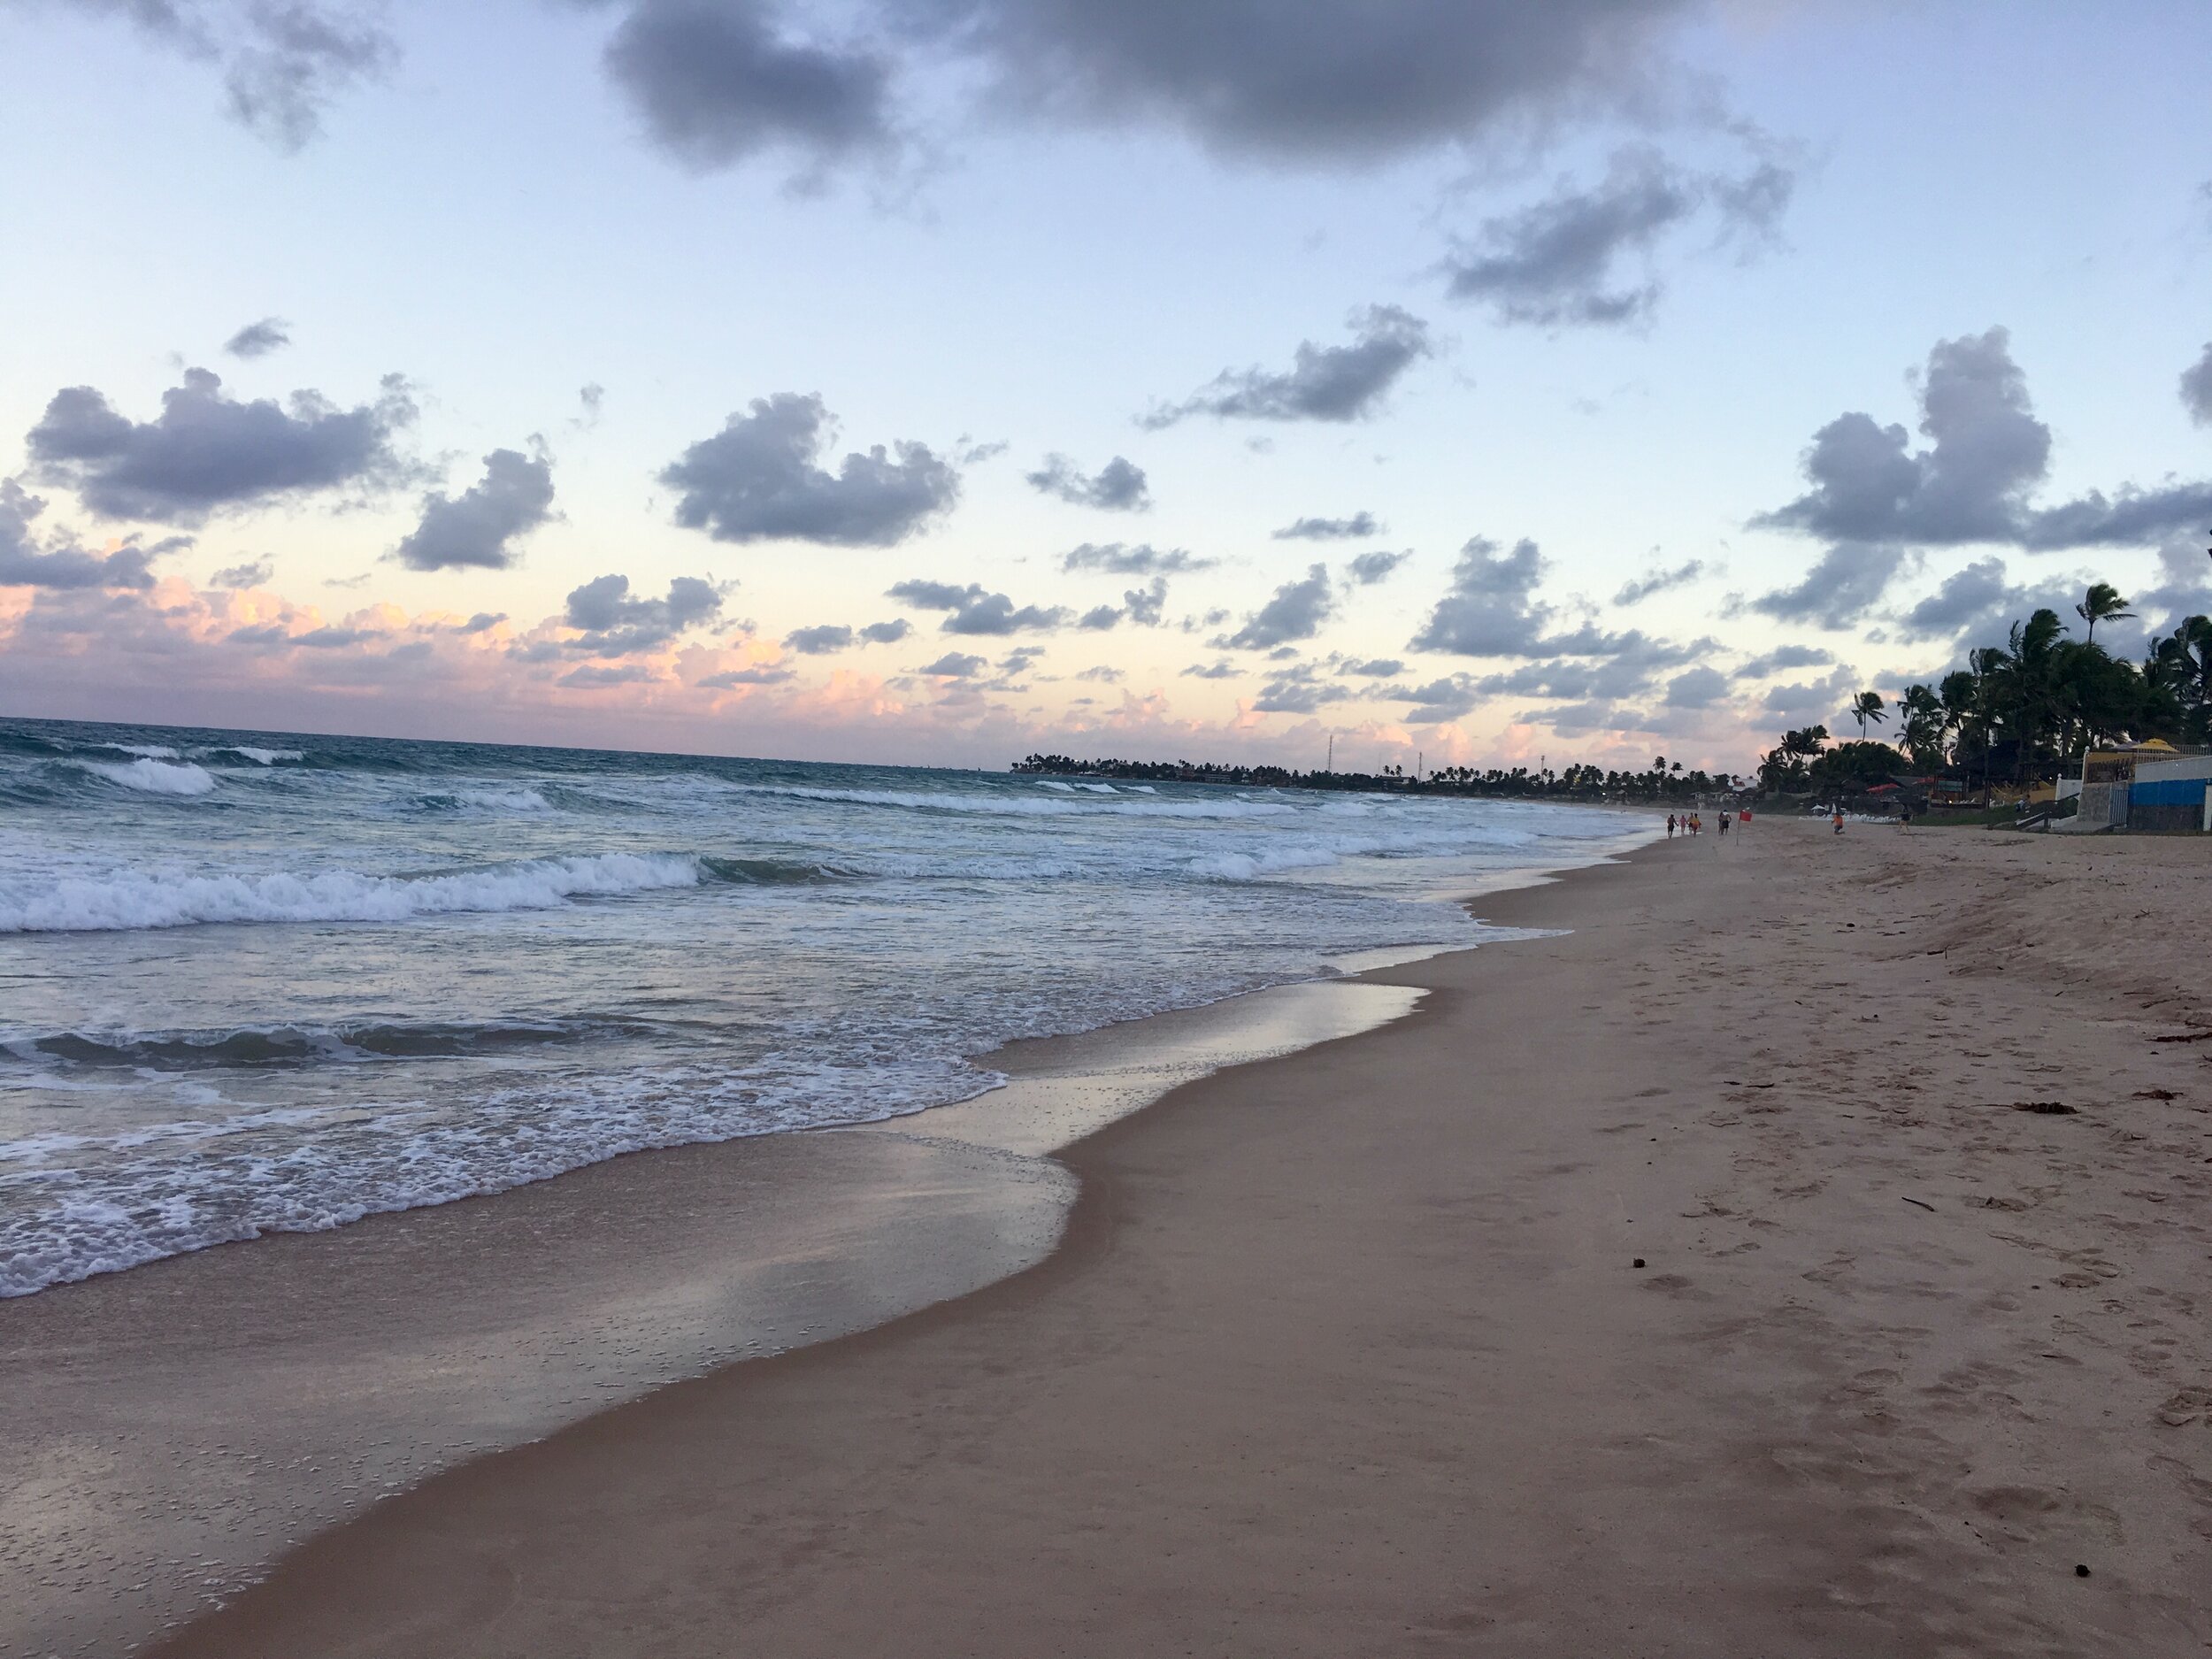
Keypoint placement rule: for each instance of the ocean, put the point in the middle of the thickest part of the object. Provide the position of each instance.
(258, 982)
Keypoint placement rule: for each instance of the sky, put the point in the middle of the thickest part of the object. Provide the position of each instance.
(937, 381)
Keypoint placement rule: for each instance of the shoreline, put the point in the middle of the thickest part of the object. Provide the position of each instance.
(593, 1287)
(1344, 1351)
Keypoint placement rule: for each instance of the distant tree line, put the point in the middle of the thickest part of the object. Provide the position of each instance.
(1662, 780)
(2028, 709)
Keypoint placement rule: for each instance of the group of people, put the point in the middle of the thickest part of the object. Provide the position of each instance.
(1693, 823)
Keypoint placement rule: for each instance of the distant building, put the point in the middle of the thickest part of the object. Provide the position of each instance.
(2150, 789)
(2169, 797)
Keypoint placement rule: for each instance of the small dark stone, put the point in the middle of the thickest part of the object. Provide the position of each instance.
(1639, 1261)
(2080, 1571)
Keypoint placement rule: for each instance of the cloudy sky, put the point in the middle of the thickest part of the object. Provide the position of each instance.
(938, 380)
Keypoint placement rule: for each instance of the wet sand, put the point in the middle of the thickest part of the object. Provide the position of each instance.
(172, 1430)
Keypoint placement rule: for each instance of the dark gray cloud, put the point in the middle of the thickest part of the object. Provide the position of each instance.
(1222, 669)
(1326, 84)
(1118, 486)
(1442, 699)
(1848, 582)
(331, 639)
(1809, 699)
(1338, 383)
(956, 665)
(759, 674)
(1987, 453)
(616, 624)
(1559, 261)
(2196, 388)
(1697, 688)
(478, 528)
(819, 641)
(1642, 587)
(1967, 597)
(1374, 668)
(208, 451)
(1580, 719)
(1296, 612)
(2184, 588)
(1370, 568)
(283, 61)
(61, 564)
(1491, 609)
(253, 574)
(1358, 527)
(975, 609)
(296, 57)
(1299, 690)
(591, 676)
(1978, 604)
(886, 633)
(1144, 607)
(258, 340)
(2130, 517)
(1119, 558)
(1785, 656)
(1103, 674)
(756, 480)
(720, 81)
(1617, 665)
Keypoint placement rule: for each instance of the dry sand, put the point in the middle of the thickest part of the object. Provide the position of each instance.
(1346, 1353)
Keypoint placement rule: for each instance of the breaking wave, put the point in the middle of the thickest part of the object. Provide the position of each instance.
(151, 775)
(135, 899)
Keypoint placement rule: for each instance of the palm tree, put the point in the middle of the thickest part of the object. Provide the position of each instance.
(2102, 604)
(1867, 705)
(1926, 722)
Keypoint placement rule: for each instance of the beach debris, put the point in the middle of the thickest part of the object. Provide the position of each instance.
(1638, 1262)
(2080, 1571)
(2155, 1094)
(1921, 1202)
(2044, 1107)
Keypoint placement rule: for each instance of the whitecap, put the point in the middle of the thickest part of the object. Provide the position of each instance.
(151, 776)
(130, 899)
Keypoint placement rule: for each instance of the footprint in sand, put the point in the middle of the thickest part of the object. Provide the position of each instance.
(2188, 1406)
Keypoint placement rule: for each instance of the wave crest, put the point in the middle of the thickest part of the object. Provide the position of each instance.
(152, 776)
(133, 899)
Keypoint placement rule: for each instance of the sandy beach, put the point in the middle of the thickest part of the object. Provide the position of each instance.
(1802, 1254)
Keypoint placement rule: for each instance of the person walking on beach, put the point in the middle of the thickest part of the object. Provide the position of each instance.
(1839, 820)
(1724, 826)
(1669, 827)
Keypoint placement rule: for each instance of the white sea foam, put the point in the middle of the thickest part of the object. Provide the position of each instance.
(136, 899)
(259, 756)
(152, 776)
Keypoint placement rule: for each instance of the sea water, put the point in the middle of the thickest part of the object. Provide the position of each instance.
(253, 982)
